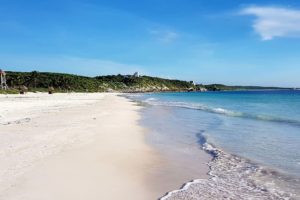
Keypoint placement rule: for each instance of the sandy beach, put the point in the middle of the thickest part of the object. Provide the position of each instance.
(72, 146)
(79, 146)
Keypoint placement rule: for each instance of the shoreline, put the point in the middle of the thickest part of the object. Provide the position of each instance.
(86, 146)
(90, 146)
(229, 173)
(181, 164)
(226, 173)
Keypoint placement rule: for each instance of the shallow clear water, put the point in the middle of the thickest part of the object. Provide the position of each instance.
(259, 125)
(262, 126)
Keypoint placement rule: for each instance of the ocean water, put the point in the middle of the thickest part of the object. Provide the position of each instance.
(254, 137)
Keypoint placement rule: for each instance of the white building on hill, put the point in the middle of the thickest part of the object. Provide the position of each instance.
(136, 74)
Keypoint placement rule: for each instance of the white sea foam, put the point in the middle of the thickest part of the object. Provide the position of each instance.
(227, 112)
(232, 177)
(150, 99)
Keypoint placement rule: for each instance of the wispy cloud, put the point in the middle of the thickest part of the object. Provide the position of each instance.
(274, 22)
(164, 36)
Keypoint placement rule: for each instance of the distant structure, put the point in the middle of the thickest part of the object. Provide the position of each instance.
(3, 80)
(202, 89)
(136, 74)
(192, 82)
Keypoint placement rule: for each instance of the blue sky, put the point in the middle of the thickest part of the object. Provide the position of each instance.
(236, 42)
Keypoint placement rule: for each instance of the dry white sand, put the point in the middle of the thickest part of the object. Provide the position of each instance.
(72, 146)
(78, 147)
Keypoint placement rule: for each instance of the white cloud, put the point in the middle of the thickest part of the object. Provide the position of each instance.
(164, 36)
(274, 22)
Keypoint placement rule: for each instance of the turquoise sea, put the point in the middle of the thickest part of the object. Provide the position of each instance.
(253, 133)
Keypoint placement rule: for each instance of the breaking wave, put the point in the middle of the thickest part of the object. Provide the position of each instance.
(233, 177)
(222, 111)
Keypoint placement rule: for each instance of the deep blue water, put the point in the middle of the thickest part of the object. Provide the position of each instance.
(263, 126)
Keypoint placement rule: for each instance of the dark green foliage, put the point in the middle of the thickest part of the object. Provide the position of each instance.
(145, 83)
(36, 80)
(40, 81)
(220, 87)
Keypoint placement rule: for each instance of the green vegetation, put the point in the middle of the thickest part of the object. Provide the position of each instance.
(220, 87)
(9, 91)
(41, 81)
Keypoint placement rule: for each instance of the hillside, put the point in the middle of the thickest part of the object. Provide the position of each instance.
(221, 87)
(40, 81)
